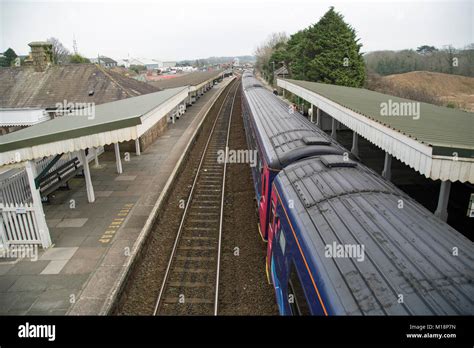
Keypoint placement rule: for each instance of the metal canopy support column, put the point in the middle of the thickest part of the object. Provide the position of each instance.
(333, 131)
(43, 229)
(87, 176)
(311, 113)
(118, 160)
(137, 146)
(355, 144)
(443, 199)
(318, 117)
(387, 167)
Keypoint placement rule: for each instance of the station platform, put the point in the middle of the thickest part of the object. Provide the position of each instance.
(92, 242)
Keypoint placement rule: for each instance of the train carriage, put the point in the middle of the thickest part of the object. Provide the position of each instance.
(341, 239)
(280, 137)
(348, 242)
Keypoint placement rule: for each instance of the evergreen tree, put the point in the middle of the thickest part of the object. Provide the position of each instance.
(337, 58)
(78, 59)
(327, 52)
(9, 57)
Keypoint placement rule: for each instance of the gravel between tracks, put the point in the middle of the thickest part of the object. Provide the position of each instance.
(244, 287)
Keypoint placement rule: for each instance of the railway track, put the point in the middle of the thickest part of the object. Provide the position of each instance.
(191, 282)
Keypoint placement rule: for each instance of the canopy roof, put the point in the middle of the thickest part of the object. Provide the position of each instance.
(437, 141)
(108, 117)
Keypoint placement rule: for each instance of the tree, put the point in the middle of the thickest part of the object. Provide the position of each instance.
(425, 49)
(61, 54)
(137, 68)
(447, 60)
(78, 59)
(264, 53)
(9, 57)
(332, 52)
(451, 60)
(327, 52)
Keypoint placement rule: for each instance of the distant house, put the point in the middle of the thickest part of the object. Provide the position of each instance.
(40, 90)
(169, 64)
(281, 72)
(149, 64)
(104, 61)
(123, 62)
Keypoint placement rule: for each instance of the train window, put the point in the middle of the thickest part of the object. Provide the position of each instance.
(272, 215)
(296, 296)
(282, 241)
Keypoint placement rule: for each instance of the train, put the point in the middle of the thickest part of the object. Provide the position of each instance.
(341, 239)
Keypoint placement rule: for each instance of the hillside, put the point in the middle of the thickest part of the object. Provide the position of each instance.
(448, 88)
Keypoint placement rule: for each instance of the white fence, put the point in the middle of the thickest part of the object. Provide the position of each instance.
(15, 189)
(18, 225)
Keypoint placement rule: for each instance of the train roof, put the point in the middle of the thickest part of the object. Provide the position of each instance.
(407, 250)
(285, 137)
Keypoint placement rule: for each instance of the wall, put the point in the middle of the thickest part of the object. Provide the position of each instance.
(146, 139)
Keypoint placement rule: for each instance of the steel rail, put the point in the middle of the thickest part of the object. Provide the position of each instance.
(183, 218)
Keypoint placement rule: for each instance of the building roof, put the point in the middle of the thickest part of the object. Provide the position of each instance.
(106, 60)
(143, 61)
(106, 118)
(281, 71)
(428, 143)
(406, 251)
(191, 79)
(22, 87)
(444, 129)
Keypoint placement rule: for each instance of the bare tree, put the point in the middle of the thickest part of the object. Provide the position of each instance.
(265, 50)
(450, 57)
(61, 54)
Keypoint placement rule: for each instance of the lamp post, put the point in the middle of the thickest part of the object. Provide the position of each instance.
(273, 75)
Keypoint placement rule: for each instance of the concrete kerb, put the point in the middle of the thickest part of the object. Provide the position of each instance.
(110, 303)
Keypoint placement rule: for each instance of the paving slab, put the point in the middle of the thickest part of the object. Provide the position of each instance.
(126, 178)
(28, 267)
(72, 222)
(54, 267)
(80, 266)
(24, 301)
(59, 253)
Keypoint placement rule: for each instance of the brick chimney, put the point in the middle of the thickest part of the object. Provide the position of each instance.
(41, 55)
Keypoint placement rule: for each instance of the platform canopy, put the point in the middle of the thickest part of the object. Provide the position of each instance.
(195, 80)
(104, 124)
(436, 141)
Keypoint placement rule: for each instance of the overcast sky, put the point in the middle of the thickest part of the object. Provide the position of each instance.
(186, 29)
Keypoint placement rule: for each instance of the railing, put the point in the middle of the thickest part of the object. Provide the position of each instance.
(15, 189)
(18, 225)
